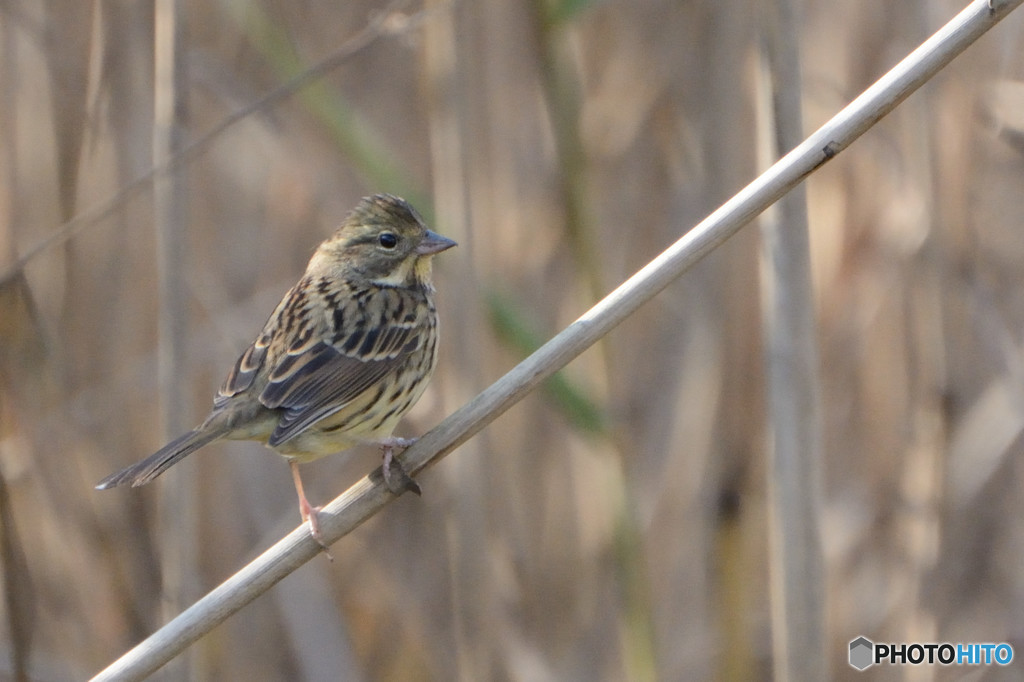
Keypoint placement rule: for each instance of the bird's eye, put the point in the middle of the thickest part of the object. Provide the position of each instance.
(387, 240)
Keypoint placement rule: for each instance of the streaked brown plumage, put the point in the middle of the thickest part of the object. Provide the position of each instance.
(343, 356)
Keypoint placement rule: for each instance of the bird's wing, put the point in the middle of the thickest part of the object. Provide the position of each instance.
(316, 364)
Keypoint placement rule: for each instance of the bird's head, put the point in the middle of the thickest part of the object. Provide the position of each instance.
(383, 241)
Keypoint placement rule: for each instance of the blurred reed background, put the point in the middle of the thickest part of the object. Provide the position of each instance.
(613, 525)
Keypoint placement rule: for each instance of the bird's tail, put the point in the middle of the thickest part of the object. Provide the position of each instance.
(145, 471)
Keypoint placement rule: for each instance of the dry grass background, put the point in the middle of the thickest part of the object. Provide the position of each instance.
(610, 527)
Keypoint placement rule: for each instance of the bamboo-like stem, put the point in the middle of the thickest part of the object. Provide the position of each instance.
(561, 93)
(563, 98)
(473, 602)
(177, 512)
(369, 495)
(919, 518)
(792, 371)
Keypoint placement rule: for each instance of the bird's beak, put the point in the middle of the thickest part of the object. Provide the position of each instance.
(434, 243)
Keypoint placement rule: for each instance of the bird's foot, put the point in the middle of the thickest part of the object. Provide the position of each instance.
(395, 477)
(309, 512)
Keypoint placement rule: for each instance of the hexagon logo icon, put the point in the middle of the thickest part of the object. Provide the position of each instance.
(861, 653)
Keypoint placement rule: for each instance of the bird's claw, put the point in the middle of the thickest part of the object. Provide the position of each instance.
(396, 478)
(312, 515)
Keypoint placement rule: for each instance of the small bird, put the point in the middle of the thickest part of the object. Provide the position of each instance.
(348, 350)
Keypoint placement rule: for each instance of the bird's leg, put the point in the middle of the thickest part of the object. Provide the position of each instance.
(308, 511)
(395, 476)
